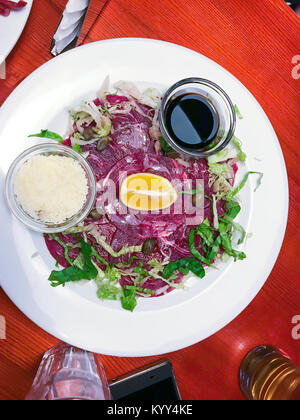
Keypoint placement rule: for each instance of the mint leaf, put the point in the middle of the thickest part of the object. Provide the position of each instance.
(48, 135)
(226, 244)
(74, 273)
(193, 249)
(164, 145)
(128, 299)
(185, 264)
(77, 148)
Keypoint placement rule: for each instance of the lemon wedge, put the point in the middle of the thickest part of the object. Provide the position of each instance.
(147, 192)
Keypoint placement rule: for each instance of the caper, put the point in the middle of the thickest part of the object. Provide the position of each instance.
(95, 215)
(88, 133)
(173, 154)
(148, 246)
(102, 144)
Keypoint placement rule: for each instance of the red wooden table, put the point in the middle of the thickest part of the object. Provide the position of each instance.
(256, 41)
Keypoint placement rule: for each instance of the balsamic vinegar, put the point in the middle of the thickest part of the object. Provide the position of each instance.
(192, 121)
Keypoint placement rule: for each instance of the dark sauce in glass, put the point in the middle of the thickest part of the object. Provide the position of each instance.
(192, 121)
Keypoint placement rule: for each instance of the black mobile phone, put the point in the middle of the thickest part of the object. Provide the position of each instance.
(293, 3)
(154, 382)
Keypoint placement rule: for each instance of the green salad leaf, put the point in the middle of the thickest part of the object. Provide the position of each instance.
(236, 190)
(222, 156)
(74, 273)
(227, 245)
(184, 265)
(77, 148)
(238, 144)
(105, 131)
(237, 111)
(219, 169)
(164, 145)
(108, 292)
(128, 299)
(48, 135)
(194, 250)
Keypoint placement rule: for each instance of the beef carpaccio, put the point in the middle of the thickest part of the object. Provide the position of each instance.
(141, 253)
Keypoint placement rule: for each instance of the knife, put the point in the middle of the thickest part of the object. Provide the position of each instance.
(69, 28)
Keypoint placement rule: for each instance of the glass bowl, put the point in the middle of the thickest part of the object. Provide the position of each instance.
(48, 149)
(220, 101)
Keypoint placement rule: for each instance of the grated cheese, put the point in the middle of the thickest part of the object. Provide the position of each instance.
(51, 189)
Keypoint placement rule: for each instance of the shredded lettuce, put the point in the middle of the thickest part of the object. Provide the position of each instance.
(223, 155)
(54, 236)
(101, 240)
(219, 169)
(215, 212)
(236, 190)
(238, 144)
(107, 282)
(105, 131)
(157, 265)
(108, 292)
(77, 229)
(237, 111)
(88, 112)
(221, 187)
(151, 97)
(229, 153)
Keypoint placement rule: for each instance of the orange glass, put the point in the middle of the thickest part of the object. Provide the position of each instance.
(267, 373)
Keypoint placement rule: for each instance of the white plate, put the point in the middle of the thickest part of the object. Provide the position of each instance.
(11, 28)
(178, 319)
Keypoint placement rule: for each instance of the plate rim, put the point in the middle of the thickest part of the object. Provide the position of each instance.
(19, 32)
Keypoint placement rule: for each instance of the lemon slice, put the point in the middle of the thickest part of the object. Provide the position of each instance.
(147, 192)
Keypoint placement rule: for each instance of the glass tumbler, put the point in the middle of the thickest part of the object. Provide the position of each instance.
(69, 373)
(267, 373)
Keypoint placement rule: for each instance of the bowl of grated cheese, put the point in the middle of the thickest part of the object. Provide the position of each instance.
(50, 188)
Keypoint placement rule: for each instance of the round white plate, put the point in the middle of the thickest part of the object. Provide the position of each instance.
(11, 28)
(181, 318)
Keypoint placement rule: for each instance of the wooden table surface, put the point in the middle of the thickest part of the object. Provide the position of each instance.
(256, 41)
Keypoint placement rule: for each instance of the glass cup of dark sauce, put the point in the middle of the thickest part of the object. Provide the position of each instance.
(197, 117)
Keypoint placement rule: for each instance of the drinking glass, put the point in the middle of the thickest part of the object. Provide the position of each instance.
(69, 373)
(267, 373)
